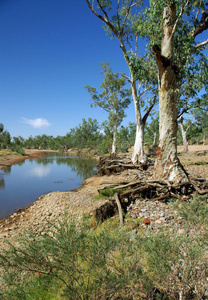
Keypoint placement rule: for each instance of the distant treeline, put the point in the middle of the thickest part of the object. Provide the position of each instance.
(90, 134)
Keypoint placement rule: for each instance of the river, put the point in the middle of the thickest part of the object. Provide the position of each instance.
(24, 182)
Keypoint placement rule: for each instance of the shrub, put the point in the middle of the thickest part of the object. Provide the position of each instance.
(195, 211)
(17, 149)
(77, 262)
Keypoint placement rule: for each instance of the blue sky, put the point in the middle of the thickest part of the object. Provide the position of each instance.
(49, 50)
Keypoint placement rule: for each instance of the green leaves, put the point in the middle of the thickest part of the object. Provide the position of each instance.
(114, 98)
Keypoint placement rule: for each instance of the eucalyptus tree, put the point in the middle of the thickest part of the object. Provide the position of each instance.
(120, 21)
(5, 138)
(184, 131)
(152, 130)
(114, 99)
(200, 112)
(176, 48)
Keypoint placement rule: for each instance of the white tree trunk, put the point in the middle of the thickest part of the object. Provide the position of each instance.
(155, 137)
(183, 132)
(167, 165)
(138, 155)
(114, 143)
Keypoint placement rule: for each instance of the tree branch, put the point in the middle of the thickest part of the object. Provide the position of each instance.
(127, 13)
(179, 16)
(104, 12)
(105, 20)
(202, 44)
(125, 76)
(144, 119)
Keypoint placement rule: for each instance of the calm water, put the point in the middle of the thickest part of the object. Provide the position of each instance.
(24, 182)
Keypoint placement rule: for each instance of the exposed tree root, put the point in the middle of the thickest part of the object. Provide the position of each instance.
(111, 165)
(145, 188)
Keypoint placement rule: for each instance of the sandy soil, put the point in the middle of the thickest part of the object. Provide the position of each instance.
(193, 148)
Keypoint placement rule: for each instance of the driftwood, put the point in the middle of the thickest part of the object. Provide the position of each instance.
(160, 190)
(142, 187)
(145, 188)
(119, 209)
(108, 165)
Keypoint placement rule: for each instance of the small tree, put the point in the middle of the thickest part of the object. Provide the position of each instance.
(114, 99)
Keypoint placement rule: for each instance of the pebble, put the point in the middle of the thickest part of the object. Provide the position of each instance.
(159, 214)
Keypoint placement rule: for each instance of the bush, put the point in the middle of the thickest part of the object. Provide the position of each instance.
(18, 149)
(77, 262)
(195, 211)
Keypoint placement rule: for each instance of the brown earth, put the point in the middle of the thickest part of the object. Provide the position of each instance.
(10, 159)
(52, 207)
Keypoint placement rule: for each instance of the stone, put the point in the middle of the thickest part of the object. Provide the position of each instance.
(146, 221)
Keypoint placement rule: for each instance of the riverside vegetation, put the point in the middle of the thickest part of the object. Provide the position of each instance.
(86, 259)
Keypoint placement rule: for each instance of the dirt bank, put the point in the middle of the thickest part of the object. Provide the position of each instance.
(8, 159)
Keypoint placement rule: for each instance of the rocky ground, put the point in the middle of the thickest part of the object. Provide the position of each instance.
(52, 207)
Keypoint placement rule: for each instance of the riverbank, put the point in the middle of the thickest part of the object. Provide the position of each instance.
(144, 218)
(52, 207)
(9, 158)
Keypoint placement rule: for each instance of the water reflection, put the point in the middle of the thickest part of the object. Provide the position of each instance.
(83, 167)
(40, 171)
(24, 182)
(7, 170)
(2, 183)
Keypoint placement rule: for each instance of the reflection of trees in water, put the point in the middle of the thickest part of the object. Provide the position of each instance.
(45, 161)
(83, 167)
(20, 163)
(2, 183)
(7, 170)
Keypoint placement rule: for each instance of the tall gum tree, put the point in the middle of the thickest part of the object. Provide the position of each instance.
(175, 19)
(121, 24)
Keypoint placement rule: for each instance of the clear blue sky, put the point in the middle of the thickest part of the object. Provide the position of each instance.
(49, 50)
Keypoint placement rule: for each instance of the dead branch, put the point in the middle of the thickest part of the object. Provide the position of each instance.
(119, 208)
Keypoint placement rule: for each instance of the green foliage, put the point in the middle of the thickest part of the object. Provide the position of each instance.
(114, 98)
(5, 138)
(110, 192)
(195, 211)
(73, 261)
(151, 133)
(19, 150)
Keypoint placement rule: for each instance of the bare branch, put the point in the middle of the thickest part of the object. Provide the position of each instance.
(104, 12)
(144, 119)
(105, 20)
(126, 77)
(183, 8)
(127, 13)
(197, 14)
(185, 108)
(118, 3)
(202, 44)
